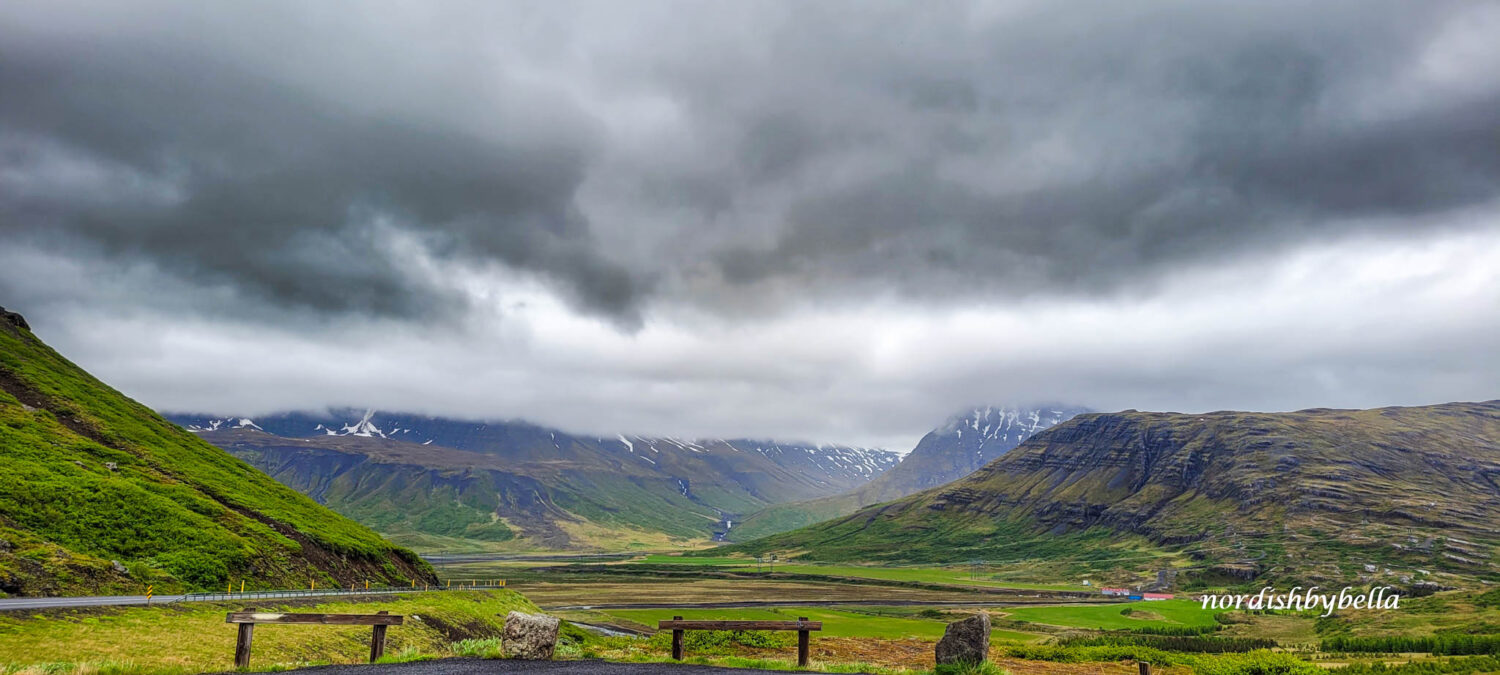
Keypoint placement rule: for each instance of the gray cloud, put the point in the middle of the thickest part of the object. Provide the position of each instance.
(239, 179)
(677, 169)
(958, 150)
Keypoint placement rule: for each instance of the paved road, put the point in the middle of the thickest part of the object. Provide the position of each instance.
(504, 667)
(108, 600)
(91, 601)
(457, 558)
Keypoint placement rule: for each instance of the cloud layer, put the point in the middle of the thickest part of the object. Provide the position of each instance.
(823, 220)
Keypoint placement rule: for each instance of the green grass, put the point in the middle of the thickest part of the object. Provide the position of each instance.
(1112, 617)
(177, 512)
(836, 622)
(927, 575)
(724, 561)
(955, 576)
(193, 637)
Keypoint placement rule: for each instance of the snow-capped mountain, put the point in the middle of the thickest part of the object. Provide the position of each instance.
(838, 467)
(222, 423)
(963, 443)
(1002, 427)
(966, 441)
(538, 479)
(857, 464)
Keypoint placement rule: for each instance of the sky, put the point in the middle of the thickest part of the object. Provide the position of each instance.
(818, 221)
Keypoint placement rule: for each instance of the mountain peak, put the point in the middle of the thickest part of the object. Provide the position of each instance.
(1005, 422)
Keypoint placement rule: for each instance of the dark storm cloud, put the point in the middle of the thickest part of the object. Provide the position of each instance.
(289, 196)
(824, 220)
(953, 150)
(1188, 133)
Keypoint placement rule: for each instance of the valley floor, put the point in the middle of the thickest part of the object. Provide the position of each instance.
(877, 620)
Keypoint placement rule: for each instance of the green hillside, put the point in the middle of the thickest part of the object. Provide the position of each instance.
(440, 484)
(1337, 494)
(99, 494)
(430, 497)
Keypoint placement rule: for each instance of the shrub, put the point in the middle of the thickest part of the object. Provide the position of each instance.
(1452, 643)
(723, 641)
(1473, 664)
(1254, 663)
(1174, 643)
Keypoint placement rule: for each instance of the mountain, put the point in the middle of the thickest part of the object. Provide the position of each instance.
(442, 483)
(966, 441)
(99, 494)
(1336, 492)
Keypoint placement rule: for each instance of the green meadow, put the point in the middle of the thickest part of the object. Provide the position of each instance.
(955, 576)
(836, 622)
(1116, 616)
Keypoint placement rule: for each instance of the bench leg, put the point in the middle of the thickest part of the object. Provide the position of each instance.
(377, 644)
(242, 645)
(802, 645)
(377, 641)
(676, 642)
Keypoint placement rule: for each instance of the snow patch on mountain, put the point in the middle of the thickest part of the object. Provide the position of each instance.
(1004, 425)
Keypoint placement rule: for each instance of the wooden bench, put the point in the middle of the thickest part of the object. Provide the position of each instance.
(248, 618)
(801, 625)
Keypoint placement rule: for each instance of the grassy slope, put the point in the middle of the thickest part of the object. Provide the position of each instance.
(445, 500)
(778, 518)
(175, 511)
(194, 638)
(1319, 492)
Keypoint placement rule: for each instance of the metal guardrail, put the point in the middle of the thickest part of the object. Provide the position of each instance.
(217, 596)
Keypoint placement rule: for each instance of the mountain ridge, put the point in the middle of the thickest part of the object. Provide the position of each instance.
(516, 484)
(942, 455)
(1318, 490)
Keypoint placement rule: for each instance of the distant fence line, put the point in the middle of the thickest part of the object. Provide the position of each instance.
(214, 596)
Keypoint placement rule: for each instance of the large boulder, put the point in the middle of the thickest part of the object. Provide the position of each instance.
(533, 636)
(965, 642)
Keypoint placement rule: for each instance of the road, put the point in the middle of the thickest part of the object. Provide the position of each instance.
(459, 558)
(12, 604)
(503, 667)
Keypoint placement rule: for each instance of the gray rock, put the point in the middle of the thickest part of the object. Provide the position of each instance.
(531, 636)
(119, 568)
(13, 319)
(966, 641)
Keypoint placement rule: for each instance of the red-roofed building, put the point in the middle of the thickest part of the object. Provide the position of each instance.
(1157, 596)
(1115, 591)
